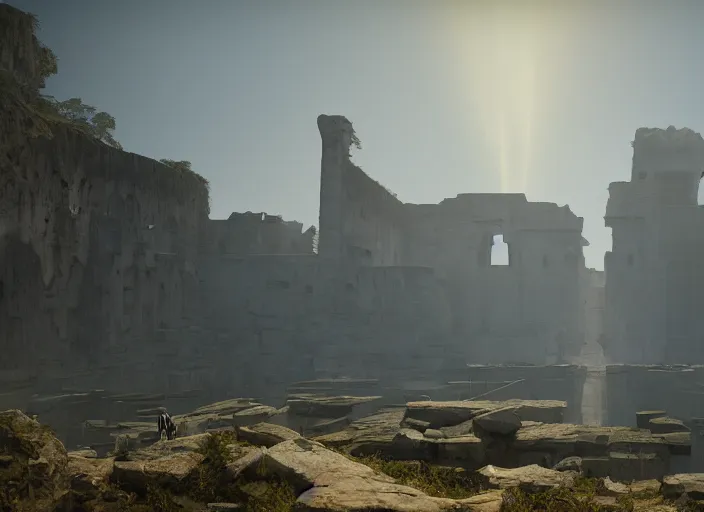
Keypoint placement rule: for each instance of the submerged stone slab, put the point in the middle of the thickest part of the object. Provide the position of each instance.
(643, 417)
(446, 414)
(326, 406)
(666, 425)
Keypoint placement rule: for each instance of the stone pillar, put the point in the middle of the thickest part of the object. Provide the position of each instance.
(336, 134)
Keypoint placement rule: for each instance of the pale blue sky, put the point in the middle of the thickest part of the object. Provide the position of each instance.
(446, 96)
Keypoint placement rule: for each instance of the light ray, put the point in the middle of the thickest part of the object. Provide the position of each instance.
(504, 171)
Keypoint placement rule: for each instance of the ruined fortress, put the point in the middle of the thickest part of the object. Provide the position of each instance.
(113, 276)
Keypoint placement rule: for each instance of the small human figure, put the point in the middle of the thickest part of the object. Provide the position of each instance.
(165, 426)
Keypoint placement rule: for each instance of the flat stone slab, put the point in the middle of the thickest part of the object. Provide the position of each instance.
(504, 421)
(169, 471)
(689, 484)
(326, 406)
(266, 434)
(331, 482)
(166, 447)
(367, 435)
(643, 417)
(360, 494)
(531, 478)
(566, 440)
(230, 406)
(679, 443)
(666, 425)
(446, 414)
(253, 415)
(301, 461)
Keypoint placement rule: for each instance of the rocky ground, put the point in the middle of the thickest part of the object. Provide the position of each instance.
(510, 456)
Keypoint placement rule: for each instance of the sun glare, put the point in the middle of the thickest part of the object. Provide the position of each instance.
(504, 55)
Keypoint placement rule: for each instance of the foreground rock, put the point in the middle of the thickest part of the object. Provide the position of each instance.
(332, 482)
(169, 472)
(36, 473)
(34, 463)
(690, 485)
(531, 478)
(359, 494)
(266, 434)
(89, 476)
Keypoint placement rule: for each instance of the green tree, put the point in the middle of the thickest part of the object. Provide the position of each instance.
(98, 124)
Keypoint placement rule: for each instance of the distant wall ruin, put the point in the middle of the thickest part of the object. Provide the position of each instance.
(528, 310)
(117, 279)
(655, 279)
(359, 219)
(256, 233)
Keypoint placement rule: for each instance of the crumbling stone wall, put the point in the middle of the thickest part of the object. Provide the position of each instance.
(85, 229)
(531, 310)
(257, 233)
(520, 311)
(654, 272)
(97, 246)
(291, 318)
(359, 219)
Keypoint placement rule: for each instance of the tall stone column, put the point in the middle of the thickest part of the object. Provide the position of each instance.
(336, 134)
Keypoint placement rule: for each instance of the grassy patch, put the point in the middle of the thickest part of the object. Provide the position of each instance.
(160, 500)
(554, 500)
(262, 492)
(438, 481)
(582, 497)
(211, 483)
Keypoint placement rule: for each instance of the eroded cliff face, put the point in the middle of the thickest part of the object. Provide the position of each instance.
(85, 232)
(93, 240)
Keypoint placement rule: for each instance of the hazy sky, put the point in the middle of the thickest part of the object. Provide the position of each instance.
(447, 96)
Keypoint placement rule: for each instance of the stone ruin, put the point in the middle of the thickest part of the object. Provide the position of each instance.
(388, 327)
(110, 267)
(140, 278)
(655, 279)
